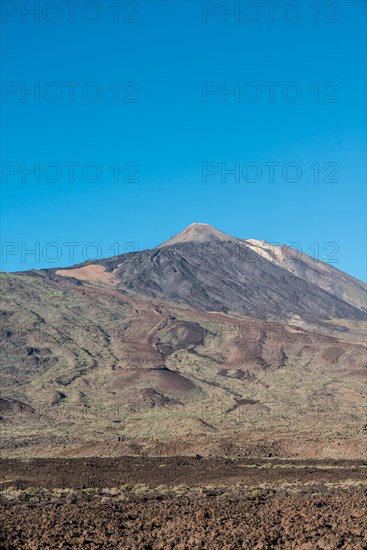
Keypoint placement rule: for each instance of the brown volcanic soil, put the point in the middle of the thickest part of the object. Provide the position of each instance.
(79, 473)
(306, 522)
(182, 502)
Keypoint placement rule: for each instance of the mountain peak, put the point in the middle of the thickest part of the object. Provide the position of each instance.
(199, 233)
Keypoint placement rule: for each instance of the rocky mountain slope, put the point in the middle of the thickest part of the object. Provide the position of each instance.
(204, 269)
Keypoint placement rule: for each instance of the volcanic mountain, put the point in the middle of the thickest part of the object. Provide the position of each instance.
(174, 349)
(205, 269)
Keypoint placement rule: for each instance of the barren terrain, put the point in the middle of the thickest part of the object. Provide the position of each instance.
(183, 503)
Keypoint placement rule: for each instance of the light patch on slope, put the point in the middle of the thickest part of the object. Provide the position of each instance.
(90, 273)
(266, 250)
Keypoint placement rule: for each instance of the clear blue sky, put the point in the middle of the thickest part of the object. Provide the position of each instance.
(170, 132)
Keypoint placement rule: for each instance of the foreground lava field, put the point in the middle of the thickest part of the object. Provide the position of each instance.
(182, 502)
